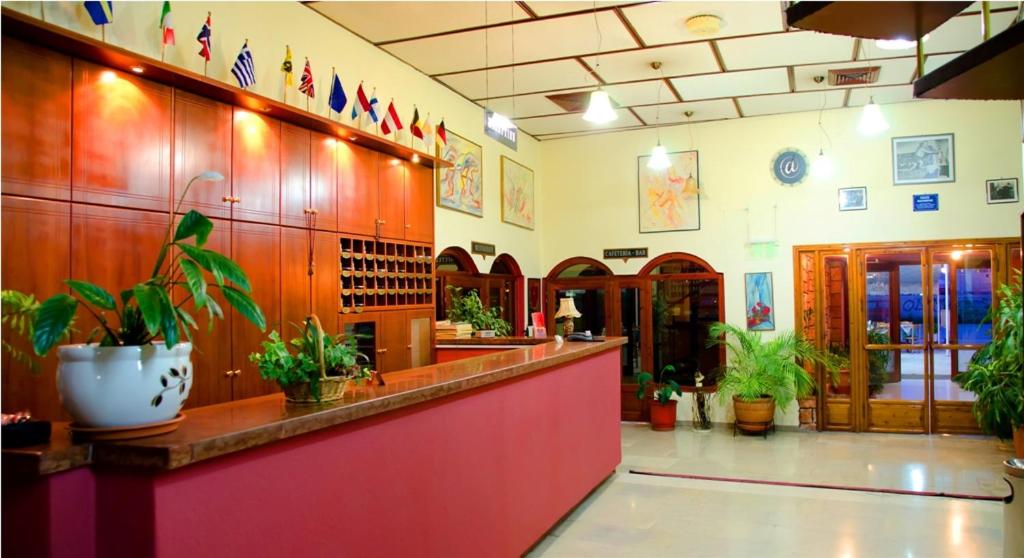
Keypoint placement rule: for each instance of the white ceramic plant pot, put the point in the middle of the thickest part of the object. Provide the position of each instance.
(112, 387)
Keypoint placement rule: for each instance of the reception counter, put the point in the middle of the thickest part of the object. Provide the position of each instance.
(478, 456)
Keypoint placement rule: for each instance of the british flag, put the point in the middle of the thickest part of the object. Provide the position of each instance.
(306, 81)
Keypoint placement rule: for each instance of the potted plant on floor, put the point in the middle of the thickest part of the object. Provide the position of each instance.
(319, 369)
(762, 374)
(139, 372)
(663, 408)
(468, 308)
(995, 373)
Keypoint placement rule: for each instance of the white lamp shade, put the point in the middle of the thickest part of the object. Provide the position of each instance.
(822, 166)
(872, 121)
(567, 309)
(659, 158)
(600, 110)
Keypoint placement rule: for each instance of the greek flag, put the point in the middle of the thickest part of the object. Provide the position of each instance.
(244, 70)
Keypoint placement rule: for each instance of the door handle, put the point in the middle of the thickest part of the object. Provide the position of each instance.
(231, 199)
(310, 211)
(229, 373)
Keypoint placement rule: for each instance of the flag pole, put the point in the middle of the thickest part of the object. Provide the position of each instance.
(42, 11)
(284, 77)
(412, 138)
(103, 32)
(330, 96)
(307, 92)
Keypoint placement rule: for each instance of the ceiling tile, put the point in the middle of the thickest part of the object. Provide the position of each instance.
(732, 84)
(566, 123)
(787, 49)
(963, 33)
(937, 60)
(635, 65)
(387, 21)
(882, 95)
(641, 93)
(527, 105)
(663, 22)
(546, 76)
(891, 72)
(533, 41)
(791, 102)
(545, 8)
(702, 110)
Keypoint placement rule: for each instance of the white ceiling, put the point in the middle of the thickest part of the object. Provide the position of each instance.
(753, 66)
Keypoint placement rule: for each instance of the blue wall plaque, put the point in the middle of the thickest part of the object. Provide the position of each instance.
(789, 166)
(926, 202)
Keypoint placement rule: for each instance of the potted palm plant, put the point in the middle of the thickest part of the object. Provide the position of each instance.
(762, 374)
(134, 368)
(995, 373)
(663, 408)
(470, 309)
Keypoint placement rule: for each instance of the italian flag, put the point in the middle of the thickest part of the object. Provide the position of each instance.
(167, 24)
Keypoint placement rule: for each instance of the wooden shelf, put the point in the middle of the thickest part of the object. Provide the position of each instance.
(873, 20)
(38, 32)
(989, 71)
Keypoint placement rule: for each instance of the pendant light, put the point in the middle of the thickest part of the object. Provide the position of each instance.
(872, 121)
(690, 186)
(599, 109)
(659, 155)
(821, 167)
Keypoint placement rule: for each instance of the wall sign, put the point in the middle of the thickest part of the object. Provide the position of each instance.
(500, 128)
(789, 166)
(482, 248)
(926, 202)
(624, 254)
(445, 259)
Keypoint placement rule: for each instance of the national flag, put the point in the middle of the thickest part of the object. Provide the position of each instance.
(101, 13)
(338, 99)
(306, 81)
(442, 137)
(205, 38)
(428, 132)
(286, 67)
(362, 104)
(374, 115)
(244, 69)
(391, 121)
(415, 126)
(167, 24)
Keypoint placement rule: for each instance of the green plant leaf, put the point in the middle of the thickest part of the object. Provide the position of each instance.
(168, 319)
(52, 321)
(245, 306)
(148, 298)
(126, 296)
(199, 256)
(194, 224)
(194, 279)
(93, 294)
(227, 269)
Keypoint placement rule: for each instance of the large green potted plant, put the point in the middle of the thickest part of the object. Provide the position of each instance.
(134, 368)
(761, 374)
(470, 309)
(663, 408)
(995, 373)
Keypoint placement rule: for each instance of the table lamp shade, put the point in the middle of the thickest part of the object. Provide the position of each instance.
(567, 309)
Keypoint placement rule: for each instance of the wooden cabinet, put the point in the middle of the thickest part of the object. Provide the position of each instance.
(323, 181)
(393, 340)
(421, 337)
(121, 146)
(366, 328)
(256, 167)
(419, 203)
(325, 294)
(391, 186)
(202, 142)
(301, 294)
(358, 200)
(294, 175)
(257, 249)
(36, 121)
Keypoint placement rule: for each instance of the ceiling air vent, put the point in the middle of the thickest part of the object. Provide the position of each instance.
(853, 76)
(573, 102)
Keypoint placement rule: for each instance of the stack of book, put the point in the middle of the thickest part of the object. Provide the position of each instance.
(448, 330)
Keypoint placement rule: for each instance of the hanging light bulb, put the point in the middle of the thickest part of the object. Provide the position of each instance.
(872, 121)
(822, 166)
(600, 110)
(659, 158)
(690, 186)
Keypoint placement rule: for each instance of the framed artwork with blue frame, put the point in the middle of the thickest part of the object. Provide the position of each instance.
(760, 301)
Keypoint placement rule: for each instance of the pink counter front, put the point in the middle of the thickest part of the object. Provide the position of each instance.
(479, 457)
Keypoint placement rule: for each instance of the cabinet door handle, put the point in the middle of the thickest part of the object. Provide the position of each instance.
(310, 211)
(232, 199)
(381, 351)
(229, 373)
(408, 226)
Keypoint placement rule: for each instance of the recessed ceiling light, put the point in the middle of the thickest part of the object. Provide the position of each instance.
(703, 25)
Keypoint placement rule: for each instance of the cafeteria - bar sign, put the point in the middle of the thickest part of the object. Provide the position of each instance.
(624, 254)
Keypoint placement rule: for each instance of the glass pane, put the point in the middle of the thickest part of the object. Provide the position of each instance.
(366, 340)
(679, 266)
(894, 298)
(581, 270)
(682, 310)
(630, 307)
(896, 374)
(836, 320)
(945, 388)
(1015, 256)
(973, 297)
(590, 304)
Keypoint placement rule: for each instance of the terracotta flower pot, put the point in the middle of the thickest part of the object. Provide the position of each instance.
(1018, 442)
(754, 416)
(663, 416)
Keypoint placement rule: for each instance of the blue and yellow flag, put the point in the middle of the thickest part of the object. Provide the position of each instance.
(101, 13)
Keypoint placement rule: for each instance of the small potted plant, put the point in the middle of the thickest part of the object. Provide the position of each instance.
(320, 368)
(139, 372)
(663, 408)
(761, 374)
(468, 308)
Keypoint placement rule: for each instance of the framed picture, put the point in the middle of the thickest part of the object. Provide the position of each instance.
(760, 302)
(853, 199)
(516, 194)
(1001, 190)
(923, 159)
(460, 186)
(669, 199)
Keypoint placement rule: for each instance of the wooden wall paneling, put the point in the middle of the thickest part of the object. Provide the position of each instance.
(256, 167)
(202, 142)
(121, 146)
(394, 341)
(323, 184)
(295, 170)
(257, 249)
(391, 186)
(419, 204)
(421, 337)
(36, 248)
(326, 273)
(36, 100)
(295, 280)
(358, 197)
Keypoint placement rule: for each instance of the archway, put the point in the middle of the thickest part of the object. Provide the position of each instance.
(589, 283)
(505, 288)
(502, 288)
(455, 267)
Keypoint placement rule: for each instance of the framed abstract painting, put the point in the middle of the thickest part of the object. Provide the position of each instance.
(460, 186)
(669, 199)
(760, 301)
(516, 194)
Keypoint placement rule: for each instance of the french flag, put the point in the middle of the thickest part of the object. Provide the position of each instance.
(391, 121)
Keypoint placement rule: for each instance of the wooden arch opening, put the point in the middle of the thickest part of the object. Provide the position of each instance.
(503, 287)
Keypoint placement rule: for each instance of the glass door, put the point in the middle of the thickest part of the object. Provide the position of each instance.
(628, 323)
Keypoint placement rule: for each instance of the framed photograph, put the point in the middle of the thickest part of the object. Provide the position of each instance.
(516, 194)
(760, 302)
(460, 186)
(669, 199)
(923, 159)
(853, 199)
(1001, 190)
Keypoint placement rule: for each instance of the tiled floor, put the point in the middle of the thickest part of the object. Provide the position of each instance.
(643, 516)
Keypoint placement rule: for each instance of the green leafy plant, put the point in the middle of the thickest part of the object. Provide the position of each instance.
(279, 363)
(995, 373)
(878, 362)
(469, 308)
(146, 310)
(662, 391)
(18, 312)
(758, 368)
